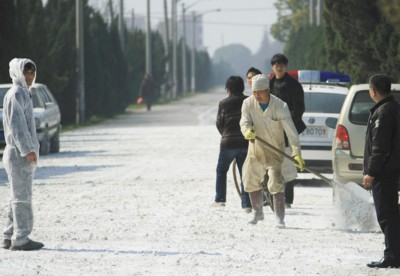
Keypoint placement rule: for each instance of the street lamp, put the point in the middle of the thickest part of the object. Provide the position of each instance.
(174, 51)
(184, 76)
(193, 56)
(80, 60)
(184, 62)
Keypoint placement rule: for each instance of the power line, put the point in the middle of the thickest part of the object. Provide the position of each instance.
(232, 10)
(222, 23)
(235, 24)
(252, 9)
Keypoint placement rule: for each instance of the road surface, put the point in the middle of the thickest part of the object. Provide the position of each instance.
(132, 196)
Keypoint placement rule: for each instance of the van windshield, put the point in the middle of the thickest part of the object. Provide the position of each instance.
(35, 99)
(323, 102)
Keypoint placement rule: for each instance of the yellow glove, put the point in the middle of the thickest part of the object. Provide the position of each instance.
(250, 134)
(299, 162)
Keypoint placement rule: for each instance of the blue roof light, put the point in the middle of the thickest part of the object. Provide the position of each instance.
(334, 77)
(315, 76)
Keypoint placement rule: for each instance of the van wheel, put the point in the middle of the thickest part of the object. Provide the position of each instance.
(55, 142)
(45, 144)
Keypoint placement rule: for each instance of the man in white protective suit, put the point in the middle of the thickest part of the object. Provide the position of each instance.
(20, 155)
(267, 117)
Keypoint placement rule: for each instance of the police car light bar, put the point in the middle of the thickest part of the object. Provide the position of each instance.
(315, 76)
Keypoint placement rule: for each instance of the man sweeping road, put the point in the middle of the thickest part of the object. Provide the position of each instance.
(267, 117)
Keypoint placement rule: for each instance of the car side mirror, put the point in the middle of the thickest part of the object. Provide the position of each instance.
(331, 122)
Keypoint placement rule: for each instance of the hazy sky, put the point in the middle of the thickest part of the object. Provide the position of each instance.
(239, 21)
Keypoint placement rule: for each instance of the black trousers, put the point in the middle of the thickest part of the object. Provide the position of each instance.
(384, 191)
(289, 192)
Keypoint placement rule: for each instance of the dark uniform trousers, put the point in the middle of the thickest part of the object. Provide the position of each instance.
(384, 191)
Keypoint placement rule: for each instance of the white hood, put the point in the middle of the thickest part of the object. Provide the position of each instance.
(17, 71)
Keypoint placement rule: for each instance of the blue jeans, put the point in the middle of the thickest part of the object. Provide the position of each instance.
(226, 156)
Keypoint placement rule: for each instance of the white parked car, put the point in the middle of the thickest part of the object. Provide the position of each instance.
(47, 117)
(349, 142)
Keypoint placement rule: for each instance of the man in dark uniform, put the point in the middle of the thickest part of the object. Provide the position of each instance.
(382, 166)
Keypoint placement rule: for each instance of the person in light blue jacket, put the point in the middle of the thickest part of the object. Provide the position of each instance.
(20, 155)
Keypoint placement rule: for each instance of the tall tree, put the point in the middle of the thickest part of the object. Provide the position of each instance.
(158, 58)
(203, 69)
(96, 80)
(391, 10)
(8, 41)
(360, 39)
(306, 48)
(135, 47)
(292, 15)
(61, 56)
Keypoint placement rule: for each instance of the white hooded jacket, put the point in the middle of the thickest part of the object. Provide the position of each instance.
(18, 121)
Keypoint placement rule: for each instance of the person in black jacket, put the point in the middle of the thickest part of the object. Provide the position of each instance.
(382, 166)
(147, 91)
(290, 91)
(232, 145)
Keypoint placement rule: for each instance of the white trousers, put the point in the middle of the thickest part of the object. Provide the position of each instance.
(19, 221)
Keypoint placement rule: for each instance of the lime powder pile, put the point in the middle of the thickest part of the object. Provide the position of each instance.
(354, 210)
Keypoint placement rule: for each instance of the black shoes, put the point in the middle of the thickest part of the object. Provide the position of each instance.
(31, 245)
(384, 263)
(6, 244)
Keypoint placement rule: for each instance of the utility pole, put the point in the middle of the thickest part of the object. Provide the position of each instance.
(184, 75)
(193, 54)
(121, 24)
(80, 95)
(167, 54)
(312, 12)
(148, 41)
(133, 20)
(319, 12)
(174, 52)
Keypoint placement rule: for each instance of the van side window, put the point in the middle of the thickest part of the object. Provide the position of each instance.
(362, 103)
(36, 99)
(44, 95)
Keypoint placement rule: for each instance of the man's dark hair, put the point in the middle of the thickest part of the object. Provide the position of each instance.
(29, 66)
(235, 84)
(381, 83)
(253, 70)
(279, 59)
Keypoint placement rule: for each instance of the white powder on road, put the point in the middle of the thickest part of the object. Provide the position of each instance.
(353, 212)
(132, 196)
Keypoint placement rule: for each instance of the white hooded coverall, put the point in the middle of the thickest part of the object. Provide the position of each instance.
(21, 139)
(269, 125)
